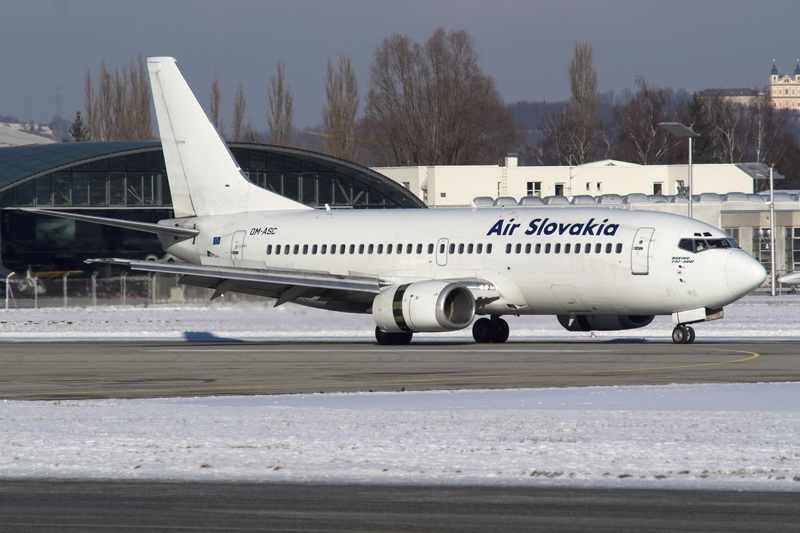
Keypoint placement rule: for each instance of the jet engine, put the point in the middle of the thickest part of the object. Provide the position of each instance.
(424, 306)
(603, 322)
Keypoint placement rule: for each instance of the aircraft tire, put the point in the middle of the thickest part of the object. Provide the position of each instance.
(401, 339)
(501, 331)
(384, 338)
(482, 331)
(680, 335)
(690, 340)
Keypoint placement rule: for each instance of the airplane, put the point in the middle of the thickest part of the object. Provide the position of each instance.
(792, 279)
(427, 270)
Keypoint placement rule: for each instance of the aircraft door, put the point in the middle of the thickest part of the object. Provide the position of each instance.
(640, 252)
(441, 252)
(237, 247)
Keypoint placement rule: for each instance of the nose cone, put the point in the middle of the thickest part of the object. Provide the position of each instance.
(743, 273)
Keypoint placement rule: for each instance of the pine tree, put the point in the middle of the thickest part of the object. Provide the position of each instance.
(704, 147)
(78, 129)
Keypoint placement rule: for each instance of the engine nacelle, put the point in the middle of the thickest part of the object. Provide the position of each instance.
(424, 306)
(603, 322)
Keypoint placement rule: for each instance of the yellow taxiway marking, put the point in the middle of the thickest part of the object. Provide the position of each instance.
(428, 381)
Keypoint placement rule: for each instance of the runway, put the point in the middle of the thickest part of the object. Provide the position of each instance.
(76, 370)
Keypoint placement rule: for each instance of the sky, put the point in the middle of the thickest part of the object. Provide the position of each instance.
(48, 45)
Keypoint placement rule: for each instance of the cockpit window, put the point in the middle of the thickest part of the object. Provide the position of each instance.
(700, 245)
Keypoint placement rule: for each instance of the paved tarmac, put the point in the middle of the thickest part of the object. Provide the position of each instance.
(155, 507)
(73, 370)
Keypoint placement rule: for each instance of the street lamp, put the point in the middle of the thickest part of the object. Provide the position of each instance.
(679, 130)
(759, 171)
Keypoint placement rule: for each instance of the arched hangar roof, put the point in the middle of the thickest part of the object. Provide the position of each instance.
(19, 164)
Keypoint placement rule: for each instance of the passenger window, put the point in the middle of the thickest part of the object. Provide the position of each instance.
(430, 248)
(441, 248)
(277, 249)
(578, 248)
(547, 248)
(296, 249)
(360, 248)
(538, 248)
(567, 247)
(399, 248)
(619, 247)
(286, 250)
(305, 249)
(452, 248)
(341, 248)
(587, 249)
(518, 248)
(324, 249)
(558, 248)
(608, 248)
(352, 249)
(597, 248)
(314, 250)
(388, 248)
(380, 249)
(508, 248)
(409, 248)
(528, 248)
(461, 248)
(488, 248)
(479, 248)
(419, 249)
(469, 248)
(269, 249)
(371, 248)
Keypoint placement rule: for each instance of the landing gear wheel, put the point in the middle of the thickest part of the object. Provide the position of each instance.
(793, 291)
(500, 331)
(386, 338)
(690, 340)
(482, 330)
(680, 335)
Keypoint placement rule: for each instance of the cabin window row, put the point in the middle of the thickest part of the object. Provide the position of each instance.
(342, 249)
(567, 248)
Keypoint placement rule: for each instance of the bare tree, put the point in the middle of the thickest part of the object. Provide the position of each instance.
(214, 107)
(732, 128)
(639, 138)
(582, 107)
(432, 104)
(90, 106)
(239, 106)
(120, 109)
(105, 104)
(279, 114)
(340, 108)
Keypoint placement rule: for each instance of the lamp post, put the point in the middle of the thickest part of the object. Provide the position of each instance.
(679, 130)
(759, 171)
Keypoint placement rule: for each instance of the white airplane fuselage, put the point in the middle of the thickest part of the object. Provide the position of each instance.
(628, 263)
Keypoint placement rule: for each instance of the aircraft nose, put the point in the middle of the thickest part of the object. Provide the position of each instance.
(743, 273)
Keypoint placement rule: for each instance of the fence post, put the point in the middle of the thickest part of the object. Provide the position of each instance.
(122, 285)
(8, 288)
(94, 289)
(36, 291)
(64, 280)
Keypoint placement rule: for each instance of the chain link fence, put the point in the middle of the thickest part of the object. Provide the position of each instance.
(83, 290)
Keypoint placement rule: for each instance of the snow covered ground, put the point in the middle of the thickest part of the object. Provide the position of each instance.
(733, 437)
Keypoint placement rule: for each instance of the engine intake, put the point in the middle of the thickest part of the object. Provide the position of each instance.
(603, 322)
(424, 306)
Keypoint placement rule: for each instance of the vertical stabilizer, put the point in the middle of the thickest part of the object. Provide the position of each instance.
(204, 178)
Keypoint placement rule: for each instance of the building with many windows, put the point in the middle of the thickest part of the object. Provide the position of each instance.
(785, 89)
(128, 180)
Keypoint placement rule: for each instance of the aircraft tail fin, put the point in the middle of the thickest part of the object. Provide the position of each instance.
(204, 178)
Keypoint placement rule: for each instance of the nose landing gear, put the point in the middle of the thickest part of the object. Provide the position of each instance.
(683, 334)
(495, 330)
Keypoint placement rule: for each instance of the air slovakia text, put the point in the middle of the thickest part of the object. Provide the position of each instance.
(538, 226)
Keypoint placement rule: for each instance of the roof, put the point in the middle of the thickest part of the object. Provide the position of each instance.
(732, 92)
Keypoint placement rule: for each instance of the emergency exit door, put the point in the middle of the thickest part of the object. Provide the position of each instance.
(640, 251)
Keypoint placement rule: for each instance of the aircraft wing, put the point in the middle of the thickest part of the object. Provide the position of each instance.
(284, 284)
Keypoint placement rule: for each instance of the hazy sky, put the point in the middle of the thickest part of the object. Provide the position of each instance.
(525, 45)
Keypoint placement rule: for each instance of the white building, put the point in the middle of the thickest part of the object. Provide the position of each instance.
(458, 185)
(785, 89)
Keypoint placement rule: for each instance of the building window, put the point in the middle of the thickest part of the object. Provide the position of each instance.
(443, 195)
(559, 189)
(588, 187)
(599, 186)
(407, 184)
(658, 188)
(534, 188)
(733, 233)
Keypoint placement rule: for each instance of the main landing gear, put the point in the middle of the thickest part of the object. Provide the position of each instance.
(495, 330)
(392, 339)
(683, 334)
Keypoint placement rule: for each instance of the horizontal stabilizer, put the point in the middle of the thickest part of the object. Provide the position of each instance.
(175, 231)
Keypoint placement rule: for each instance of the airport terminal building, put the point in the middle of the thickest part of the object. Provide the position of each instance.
(128, 180)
